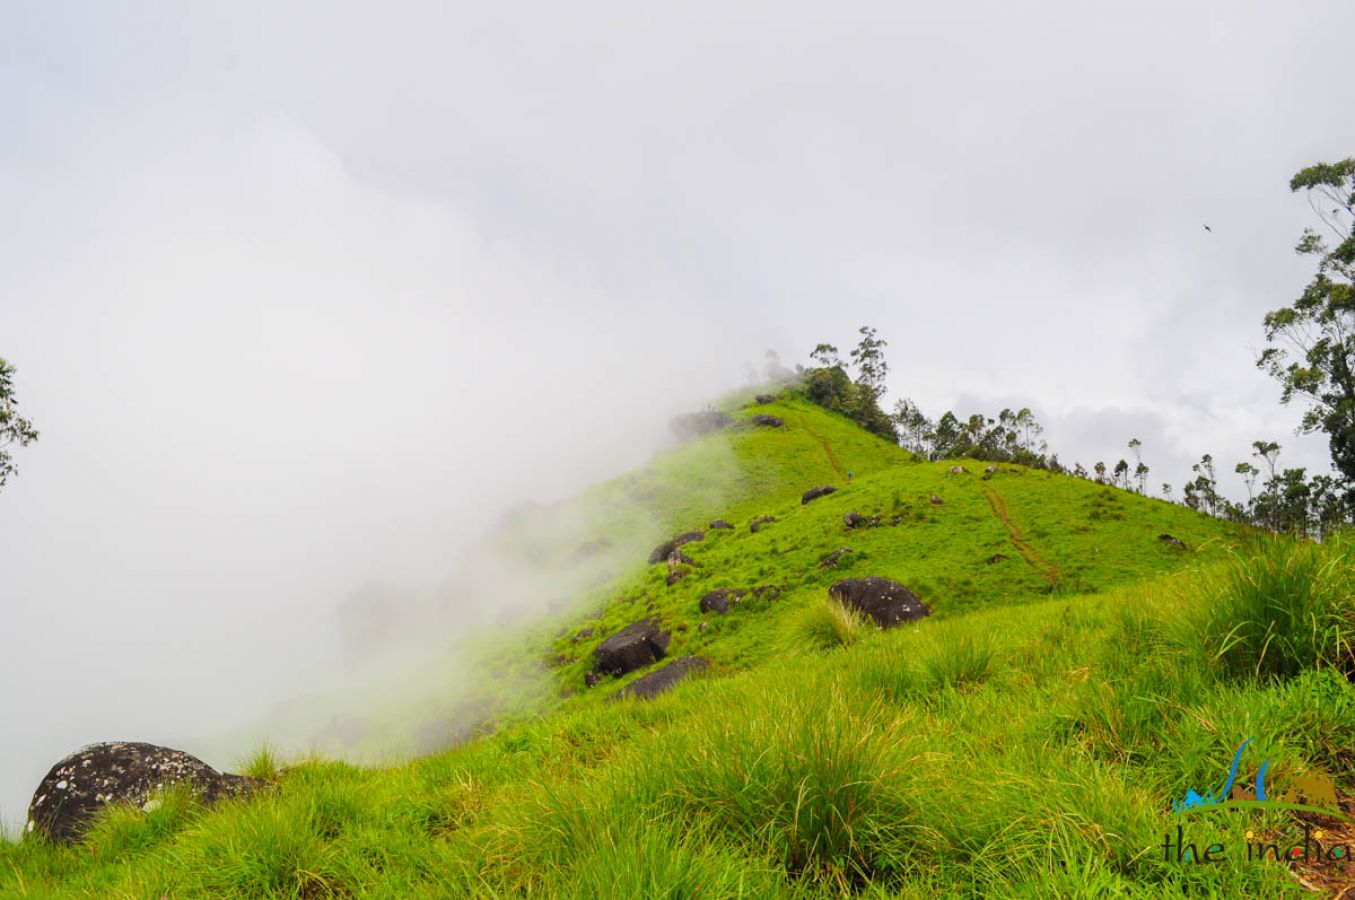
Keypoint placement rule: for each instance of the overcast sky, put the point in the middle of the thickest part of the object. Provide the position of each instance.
(303, 296)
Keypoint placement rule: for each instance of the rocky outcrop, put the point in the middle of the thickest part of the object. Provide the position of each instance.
(663, 551)
(768, 421)
(121, 772)
(719, 524)
(633, 647)
(886, 602)
(719, 601)
(1174, 542)
(816, 493)
(660, 680)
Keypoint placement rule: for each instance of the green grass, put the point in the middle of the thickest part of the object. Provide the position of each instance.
(1027, 739)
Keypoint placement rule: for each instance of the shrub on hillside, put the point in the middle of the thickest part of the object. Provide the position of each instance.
(1284, 606)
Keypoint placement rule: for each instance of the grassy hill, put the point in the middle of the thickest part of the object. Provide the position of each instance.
(1078, 674)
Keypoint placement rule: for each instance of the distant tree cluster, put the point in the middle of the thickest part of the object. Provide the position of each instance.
(828, 383)
(1011, 437)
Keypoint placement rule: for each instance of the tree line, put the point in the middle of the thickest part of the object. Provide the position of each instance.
(1311, 352)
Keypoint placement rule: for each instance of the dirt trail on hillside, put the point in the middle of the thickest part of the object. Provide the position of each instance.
(826, 449)
(1047, 570)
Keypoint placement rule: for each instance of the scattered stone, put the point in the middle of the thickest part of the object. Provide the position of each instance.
(591, 679)
(560, 660)
(937, 501)
(989, 470)
(765, 398)
(122, 772)
(958, 470)
(583, 633)
(856, 520)
(660, 680)
(1174, 542)
(768, 592)
(896, 520)
(756, 525)
(682, 627)
(887, 602)
(719, 601)
(633, 647)
(832, 559)
(997, 558)
(664, 550)
(703, 626)
(816, 493)
(696, 424)
(674, 576)
(678, 558)
(986, 478)
(769, 421)
(718, 524)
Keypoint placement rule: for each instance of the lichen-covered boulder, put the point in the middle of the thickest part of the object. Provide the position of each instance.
(661, 680)
(633, 647)
(816, 493)
(123, 772)
(887, 602)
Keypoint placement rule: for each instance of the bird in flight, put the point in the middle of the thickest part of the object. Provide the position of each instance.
(1208, 229)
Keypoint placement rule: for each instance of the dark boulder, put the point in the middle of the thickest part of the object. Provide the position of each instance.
(696, 424)
(769, 421)
(1174, 542)
(583, 633)
(719, 601)
(937, 501)
(765, 398)
(816, 493)
(767, 592)
(887, 602)
(633, 647)
(997, 558)
(660, 680)
(718, 524)
(591, 679)
(121, 772)
(664, 550)
(756, 525)
(832, 559)
(674, 576)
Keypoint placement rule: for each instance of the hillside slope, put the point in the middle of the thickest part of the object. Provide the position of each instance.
(1026, 739)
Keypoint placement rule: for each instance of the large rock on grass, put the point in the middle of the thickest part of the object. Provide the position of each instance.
(887, 602)
(719, 601)
(663, 551)
(661, 680)
(633, 647)
(768, 421)
(120, 772)
(816, 493)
